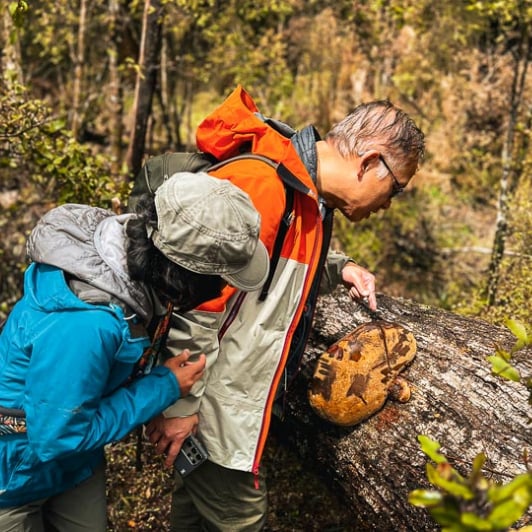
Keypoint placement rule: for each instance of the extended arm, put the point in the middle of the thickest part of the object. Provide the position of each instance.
(340, 269)
(68, 403)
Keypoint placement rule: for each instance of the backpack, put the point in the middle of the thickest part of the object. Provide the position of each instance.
(238, 130)
(234, 131)
(158, 169)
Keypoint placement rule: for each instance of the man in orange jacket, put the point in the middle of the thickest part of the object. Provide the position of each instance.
(250, 339)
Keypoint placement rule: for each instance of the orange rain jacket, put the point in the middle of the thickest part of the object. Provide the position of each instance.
(246, 340)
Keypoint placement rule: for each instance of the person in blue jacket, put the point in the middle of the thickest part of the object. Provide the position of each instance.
(70, 349)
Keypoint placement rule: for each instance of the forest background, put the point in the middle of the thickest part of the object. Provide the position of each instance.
(88, 89)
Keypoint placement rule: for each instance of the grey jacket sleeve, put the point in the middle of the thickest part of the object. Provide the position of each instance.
(332, 272)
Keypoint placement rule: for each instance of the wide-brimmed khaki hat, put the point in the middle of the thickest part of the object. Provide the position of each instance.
(210, 226)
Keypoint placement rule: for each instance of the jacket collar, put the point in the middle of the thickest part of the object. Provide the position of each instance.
(304, 142)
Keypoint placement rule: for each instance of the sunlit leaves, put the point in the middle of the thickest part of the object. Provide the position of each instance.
(501, 367)
(17, 10)
(36, 143)
(519, 330)
(471, 503)
(431, 448)
(501, 360)
(425, 498)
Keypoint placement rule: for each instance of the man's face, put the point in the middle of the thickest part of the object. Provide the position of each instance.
(363, 185)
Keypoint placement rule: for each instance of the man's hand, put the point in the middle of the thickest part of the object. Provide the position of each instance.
(168, 434)
(360, 283)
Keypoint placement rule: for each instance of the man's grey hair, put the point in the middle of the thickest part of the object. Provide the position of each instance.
(382, 126)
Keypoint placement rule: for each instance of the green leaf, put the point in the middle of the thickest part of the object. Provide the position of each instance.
(507, 513)
(452, 487)
(500, 367)
(510, 501)
(497, 493)
(505, 355)
(17, 10)
(425, 498)
(518, 329)
(478, 463)
(474, 522)
(446, 514)
(430, 448)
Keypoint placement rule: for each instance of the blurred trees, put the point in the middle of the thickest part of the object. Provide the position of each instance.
(514, 20)
(68, 112)
(149, 53)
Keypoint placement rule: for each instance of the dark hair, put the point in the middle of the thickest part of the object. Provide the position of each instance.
(184, 288)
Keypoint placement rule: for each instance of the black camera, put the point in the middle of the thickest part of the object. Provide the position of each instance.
(191, 456)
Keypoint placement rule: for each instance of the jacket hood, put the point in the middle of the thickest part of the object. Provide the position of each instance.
(90, 244)
(236, 126)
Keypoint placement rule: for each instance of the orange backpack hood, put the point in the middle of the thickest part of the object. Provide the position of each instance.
(234, 128)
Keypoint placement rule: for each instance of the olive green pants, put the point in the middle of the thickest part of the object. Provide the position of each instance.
(214, 498)
(81, 509)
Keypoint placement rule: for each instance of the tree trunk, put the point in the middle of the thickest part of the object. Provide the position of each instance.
(10, 58)
(116, 107)
(79, 61)
(455, 400)
(511, 161)
(150, 49)
(166, 97)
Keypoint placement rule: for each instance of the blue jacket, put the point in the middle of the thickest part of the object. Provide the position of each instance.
(66, 362)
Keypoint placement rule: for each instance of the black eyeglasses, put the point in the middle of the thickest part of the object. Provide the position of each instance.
(397, 188)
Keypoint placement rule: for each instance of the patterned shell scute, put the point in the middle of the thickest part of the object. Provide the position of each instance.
(353, 377)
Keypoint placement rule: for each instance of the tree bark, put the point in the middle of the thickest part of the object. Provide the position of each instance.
(116, 107)
(455, 400)
(79, 62)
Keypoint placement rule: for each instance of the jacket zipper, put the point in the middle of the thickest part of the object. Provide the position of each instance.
(275, 382)
(232, 315)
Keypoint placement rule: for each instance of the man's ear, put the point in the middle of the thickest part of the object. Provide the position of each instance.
(367, 160)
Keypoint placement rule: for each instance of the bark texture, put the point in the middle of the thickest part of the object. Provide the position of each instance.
(455, 400)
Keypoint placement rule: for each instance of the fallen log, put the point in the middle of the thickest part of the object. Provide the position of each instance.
(455, 400)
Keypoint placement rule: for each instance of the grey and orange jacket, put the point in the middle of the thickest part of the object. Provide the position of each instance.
(247, 341)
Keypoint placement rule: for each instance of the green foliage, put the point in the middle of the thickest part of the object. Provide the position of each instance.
(402, 245)
(501, 360)
(40, 167)
(515, 276)
(18, 10)
(242, 42)
(476, 502)
(472, 503)
(39, 155)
